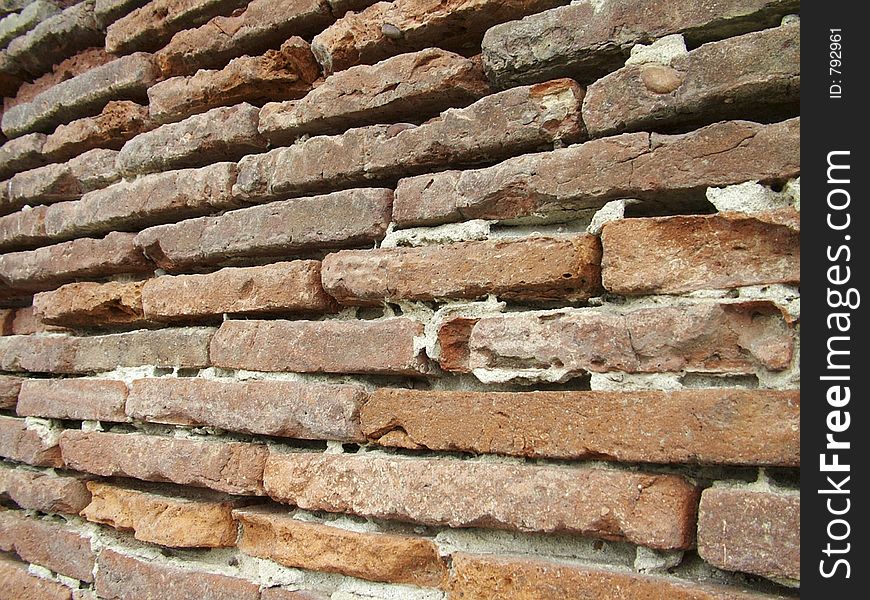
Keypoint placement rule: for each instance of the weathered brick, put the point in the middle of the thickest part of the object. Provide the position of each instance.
(224, 133)
(511, 122)
(271, 533)
(7, 315)
(151, 26)
(178, 518)
(43, 491)
(186, 347)
(711, 426)
(109, 11)
(530, 269)
(753, 531)
(49, 543)
(347, 218)
(21, 154)
(590, 38)
(9, 387)
(23, 444)
(387, 346)
(231, 467)
(90, 304)
(389, 28)
(145, 201)
(51, 266)
(708, 337)
(756, 75)
(650, 510)
(23, 229)
(279, 408)
(31, 15)
(487, 576)
(402, 88)
(56, 38)
(123, 577)
(84, 95)
(287, 72)
(26, 322)
(719, 251)
(77, 399)
(270, 289)
(663, 170)
(19, 583)
(119, 121)
(262, 25)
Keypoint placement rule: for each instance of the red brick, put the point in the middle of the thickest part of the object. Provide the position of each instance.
(9, 387)
(182, 518)
(76, 64)
(26, 322)
(49, 543)
(19, 583)
(51, 266)
(479, 576)
(711, 426)
(528, 269)
(92, 170)
(21, 154)
(119, 121)
(271, 533)
(91, 304)
(752, 531)
(665, 171)
(44, 491)
(348, 218)
(280, 408)
(708, 337)
(231, 467)
(76, 399)
(124, 577)
(361, 38)
(650, 510)
(21, 444)
(385, 347)
(719, 251)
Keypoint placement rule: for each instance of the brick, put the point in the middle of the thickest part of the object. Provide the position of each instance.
(123, 577)
(590, 38)
(26, 322)
(7, 316)
(20, 23)
(650, 510)
(707, 337)
(44, 491)
(49, 543)
(231, 467)
(363, 38)
(76, 399)
(21, 154)
(186, 347)
(23, 444)
(151, 26)
(92, 170)
(278, 408)
(84, 95)
(19, 583)
(285, 73)
(90, 304)
(402, 88)
(145, 201)
(511, 122)
(715, 426)
(224, 133)
(279, 229)
(382, 347)
(78, 63)
(487, 576)
(178, 518)
(756, 75)
(262, 25)
(719, 251)
(119, 121)
(269, 289)
(272, 533)
(753, 531)
(662, 170)
(529, 269)
(9, 386)
(109, 11)
(56, 38)
(51, 266)
(23, 229)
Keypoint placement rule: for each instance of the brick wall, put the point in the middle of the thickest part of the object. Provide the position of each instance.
(410, 300)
